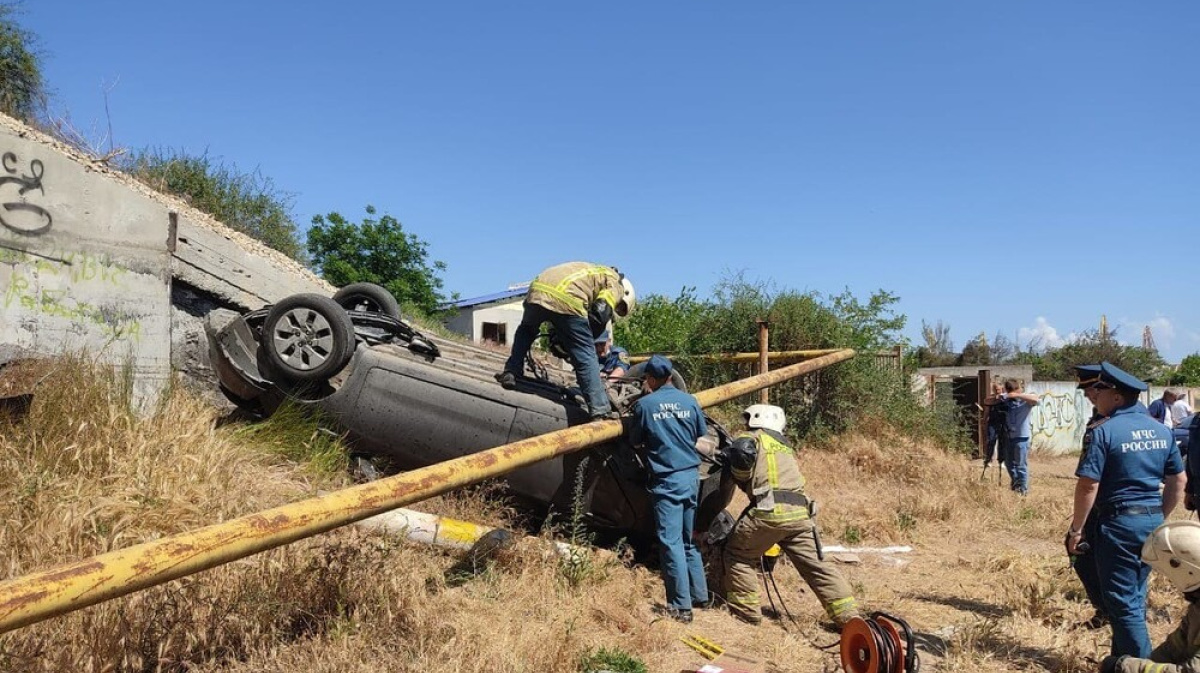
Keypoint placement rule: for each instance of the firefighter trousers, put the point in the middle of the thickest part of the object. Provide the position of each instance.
(746, 545)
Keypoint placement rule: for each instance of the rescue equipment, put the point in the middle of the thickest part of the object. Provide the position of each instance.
(874, 645)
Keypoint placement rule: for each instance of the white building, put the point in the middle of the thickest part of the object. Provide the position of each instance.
(492, 317)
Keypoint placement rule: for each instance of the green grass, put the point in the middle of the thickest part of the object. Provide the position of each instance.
(615, 660)
(301, 435)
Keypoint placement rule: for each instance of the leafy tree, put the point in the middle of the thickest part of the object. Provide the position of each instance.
(247, 202)
(977, 351)
(376, 251)
(1188, 373)
(21, 84)
(1090, 347)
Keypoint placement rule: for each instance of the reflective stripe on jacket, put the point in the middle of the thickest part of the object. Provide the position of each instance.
(774, 484)
(572, 287)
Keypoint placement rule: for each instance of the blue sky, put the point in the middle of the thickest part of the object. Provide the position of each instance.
(1020, 166)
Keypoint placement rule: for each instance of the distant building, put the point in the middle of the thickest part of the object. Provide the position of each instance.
(492, 317)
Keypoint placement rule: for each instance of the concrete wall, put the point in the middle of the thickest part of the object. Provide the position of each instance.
(1060, 418)
(470, 321)
(84, 265)
(93, 261)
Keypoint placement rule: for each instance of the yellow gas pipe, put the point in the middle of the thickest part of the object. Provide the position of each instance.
(748, 357)
(71, 586)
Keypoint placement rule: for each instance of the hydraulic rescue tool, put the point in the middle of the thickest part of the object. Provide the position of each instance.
(875, 645)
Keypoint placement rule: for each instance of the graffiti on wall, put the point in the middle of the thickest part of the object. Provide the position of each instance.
(16, 212)
(1060, 417)
(68, 268)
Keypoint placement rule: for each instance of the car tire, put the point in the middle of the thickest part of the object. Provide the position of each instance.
(638, 371)
(307, 338)
(368, 297)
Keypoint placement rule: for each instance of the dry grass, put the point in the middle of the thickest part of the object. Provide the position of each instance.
(987, 587)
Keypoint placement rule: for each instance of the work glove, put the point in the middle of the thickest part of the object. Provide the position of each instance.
(1111, 664)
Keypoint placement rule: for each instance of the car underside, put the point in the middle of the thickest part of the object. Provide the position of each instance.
(416, 400)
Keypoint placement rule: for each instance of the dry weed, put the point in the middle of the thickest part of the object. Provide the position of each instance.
(987, 588)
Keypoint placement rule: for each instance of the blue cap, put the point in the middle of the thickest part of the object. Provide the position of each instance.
(1086, 375)
(658, 366)
(1117, 377)
(603, 337)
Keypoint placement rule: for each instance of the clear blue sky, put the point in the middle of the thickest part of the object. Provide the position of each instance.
(1000, 166)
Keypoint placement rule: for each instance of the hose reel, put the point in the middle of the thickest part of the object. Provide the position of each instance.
(875, 645)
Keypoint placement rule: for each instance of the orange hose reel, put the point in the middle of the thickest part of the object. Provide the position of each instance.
(875, 645)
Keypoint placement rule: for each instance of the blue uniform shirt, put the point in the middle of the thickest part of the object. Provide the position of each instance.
(1129, 455)
(617, 357)
(668, 421)
(1158, 410)
(1016, 414)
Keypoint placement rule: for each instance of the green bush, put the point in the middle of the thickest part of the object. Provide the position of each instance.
(856, 394)
(21, 83)
(615, 660)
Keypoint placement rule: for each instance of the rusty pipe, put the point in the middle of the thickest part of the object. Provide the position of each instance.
(746, 357)
(71, 586)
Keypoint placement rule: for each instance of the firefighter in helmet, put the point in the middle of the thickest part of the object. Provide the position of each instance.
(764, 466)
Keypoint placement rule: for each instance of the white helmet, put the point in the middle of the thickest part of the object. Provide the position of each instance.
(627, 299)
(1173, 549)
(766, 416)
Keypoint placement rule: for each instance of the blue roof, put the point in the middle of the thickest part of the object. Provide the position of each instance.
(487, 298)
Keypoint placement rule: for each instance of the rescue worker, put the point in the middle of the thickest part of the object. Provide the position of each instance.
(764, 466)
(1173, 550)
(1082, 562)
(1017, 406)
(579, 299)
(997, 428)
(1119, 474)
(667, 423)
(614, 360)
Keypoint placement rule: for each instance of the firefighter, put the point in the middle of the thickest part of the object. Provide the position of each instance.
(764, 466)
(1173, 550)
(579, 299)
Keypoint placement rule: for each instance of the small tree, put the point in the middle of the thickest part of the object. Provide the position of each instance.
(376, 251)
(1188, 373)
(21, 84)
(247, 202)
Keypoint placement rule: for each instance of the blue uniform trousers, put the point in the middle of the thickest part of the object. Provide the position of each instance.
(576, 336)
(1085, 567)
(1018, 463)
(675, 495)
(1123, 578)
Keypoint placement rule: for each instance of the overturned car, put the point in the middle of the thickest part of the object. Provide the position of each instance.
(416, 399)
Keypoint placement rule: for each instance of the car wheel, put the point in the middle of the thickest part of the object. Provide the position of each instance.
(638, 371)
(307, 338)
(368, 297)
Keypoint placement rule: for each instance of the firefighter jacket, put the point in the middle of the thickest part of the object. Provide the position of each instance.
(573, 287)
(1179, 653)
(774, 482)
